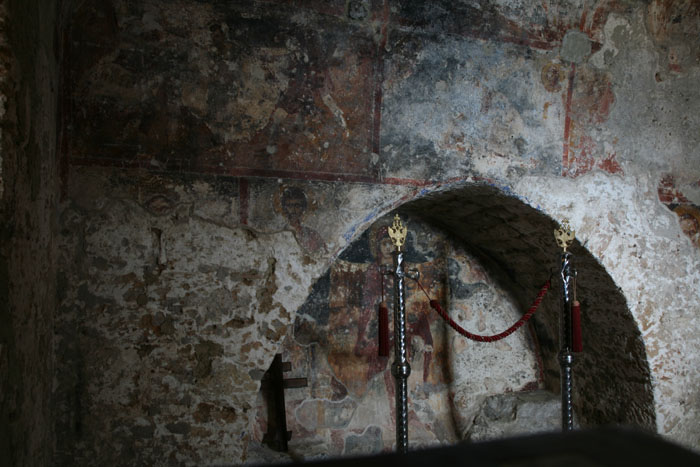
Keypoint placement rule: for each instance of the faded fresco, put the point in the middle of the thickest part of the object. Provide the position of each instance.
(218, 156)
(671, 194)
(348, 406)
(220, 88)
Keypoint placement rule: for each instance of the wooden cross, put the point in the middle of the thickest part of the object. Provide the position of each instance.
(274, 384)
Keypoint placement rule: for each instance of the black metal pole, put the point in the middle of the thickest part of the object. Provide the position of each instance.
(400, 368)
(566, 356)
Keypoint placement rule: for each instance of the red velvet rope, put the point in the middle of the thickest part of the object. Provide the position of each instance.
(476, 337)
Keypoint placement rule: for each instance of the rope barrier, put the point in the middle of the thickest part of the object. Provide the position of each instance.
(435, 305)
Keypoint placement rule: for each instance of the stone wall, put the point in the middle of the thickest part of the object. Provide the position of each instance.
(348, 404)
(180, 306)
(223, 155)
(29, 74)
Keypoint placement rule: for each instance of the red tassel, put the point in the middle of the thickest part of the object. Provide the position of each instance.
(383, 330)
(577, 341)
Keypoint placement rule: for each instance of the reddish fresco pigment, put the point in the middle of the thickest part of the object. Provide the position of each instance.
(567, 120)
(337, 343)
(668, 193)
(593, 96)
(687, 212)
(581, 160)
(589, 100)
(610, 164)
(326, 121)
(299, 100)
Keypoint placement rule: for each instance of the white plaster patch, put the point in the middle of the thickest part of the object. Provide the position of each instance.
(616, 29)
(611, 216)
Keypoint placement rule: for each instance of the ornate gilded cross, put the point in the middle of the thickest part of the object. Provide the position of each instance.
(564, 235)
(397, 233)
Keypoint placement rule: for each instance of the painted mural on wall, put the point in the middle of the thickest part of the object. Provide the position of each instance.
(292, 202)
(226, 88)
(293, 90)
(688, 212)
(320, 90)
(348, 406)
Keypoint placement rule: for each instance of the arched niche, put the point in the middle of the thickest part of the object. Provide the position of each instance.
(612, 383)
(348, 406)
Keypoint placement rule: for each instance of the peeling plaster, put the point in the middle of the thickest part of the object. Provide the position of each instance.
(208, 254)
(635, 227)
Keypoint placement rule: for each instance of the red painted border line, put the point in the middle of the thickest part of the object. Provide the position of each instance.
(226, 171)
(408, 182)
(565, 165)
(242, 172)
(377, 114)
(584, 16)
(309, 176)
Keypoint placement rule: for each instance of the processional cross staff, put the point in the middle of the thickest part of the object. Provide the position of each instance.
(570, 337)
(400, 368)
(569, 323)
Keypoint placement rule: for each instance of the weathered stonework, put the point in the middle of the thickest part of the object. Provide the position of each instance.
(644, 234)
(517, 243)
(220, 157)
(515, 414)
(350, 388)
(181, 308)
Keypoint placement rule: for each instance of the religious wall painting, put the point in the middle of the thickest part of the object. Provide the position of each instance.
(335, 339)
(250, 95)
(670, 192)
(293, 203)
(675, 30)
(358, 285)
(589, 101)
(553, 74)
(353, 322)
(334, 345)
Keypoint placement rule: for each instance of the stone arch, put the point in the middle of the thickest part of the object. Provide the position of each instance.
(612, 376)
(514, 243)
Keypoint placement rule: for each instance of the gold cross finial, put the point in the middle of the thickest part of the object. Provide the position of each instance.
(397, 233)
(564, 235)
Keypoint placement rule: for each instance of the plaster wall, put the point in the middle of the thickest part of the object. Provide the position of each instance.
(347, 406)
(184, 263)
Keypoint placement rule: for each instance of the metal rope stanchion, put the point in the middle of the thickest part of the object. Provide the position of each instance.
(400, 368)
(564, 236)
(569, 338)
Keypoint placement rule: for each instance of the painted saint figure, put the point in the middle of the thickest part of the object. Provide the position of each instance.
(294, 207)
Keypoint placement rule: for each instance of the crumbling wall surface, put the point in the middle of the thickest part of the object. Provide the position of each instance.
(598, 128)
(28, 204)
(281, 130)
(652, 58)
(169, 310)
(612, 377)
(348, 404)
(657, 270)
